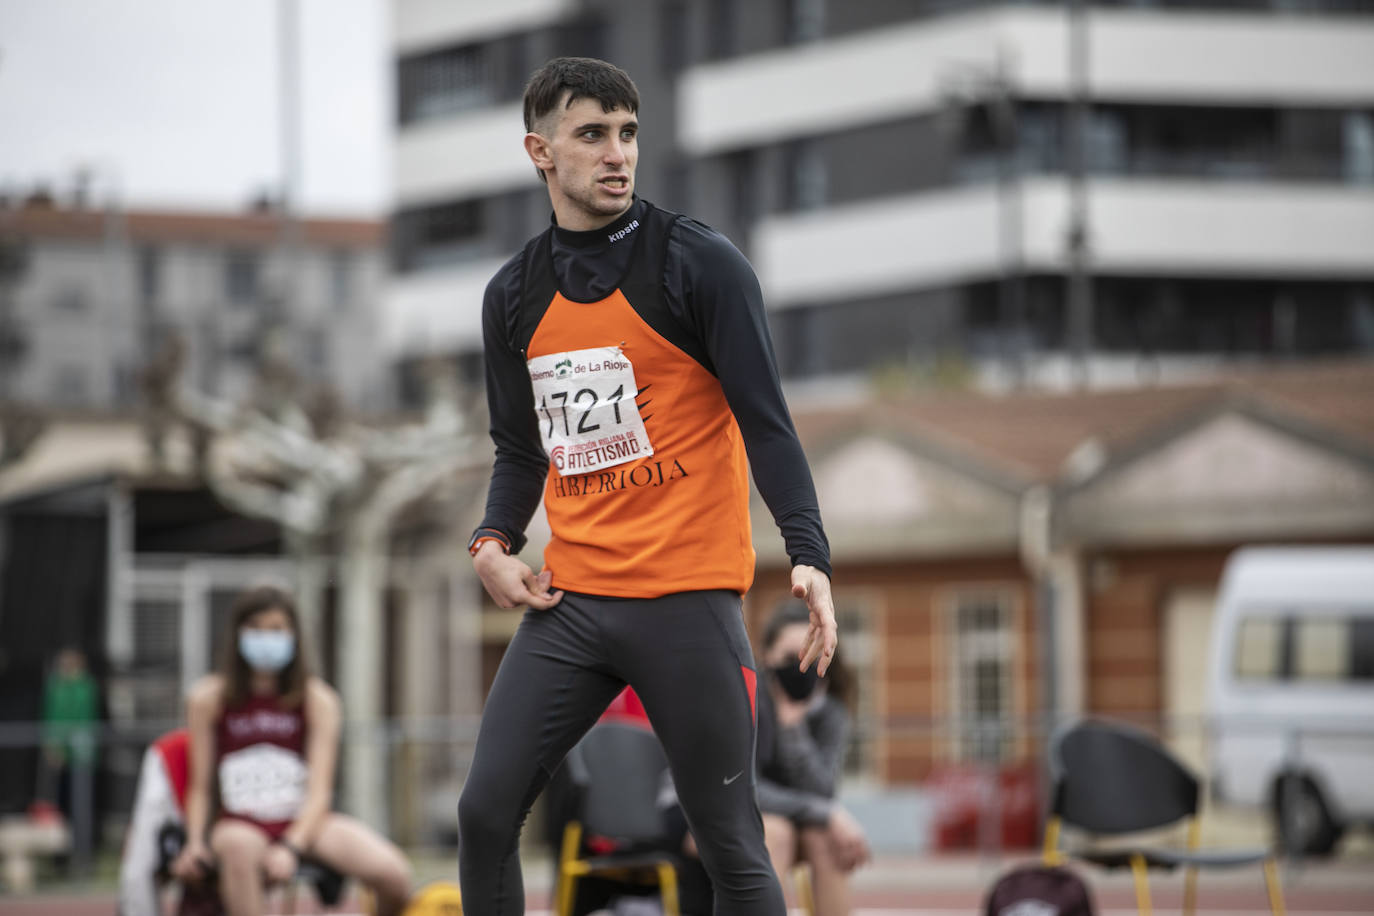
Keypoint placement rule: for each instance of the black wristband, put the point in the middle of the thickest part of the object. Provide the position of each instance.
(295, 850)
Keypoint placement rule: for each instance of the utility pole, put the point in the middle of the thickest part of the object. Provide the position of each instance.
(281, 300)
(283, 303)
(963, 88)
(1002, 107)
(289, 137)
(1080, 290)
(14, 261)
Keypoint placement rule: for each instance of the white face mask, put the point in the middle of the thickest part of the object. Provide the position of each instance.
(267, 650)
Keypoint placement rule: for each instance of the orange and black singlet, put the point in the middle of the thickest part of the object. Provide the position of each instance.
(629, 371)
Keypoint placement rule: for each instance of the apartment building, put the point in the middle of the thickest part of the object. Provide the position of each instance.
(926, 181)
(90, 295)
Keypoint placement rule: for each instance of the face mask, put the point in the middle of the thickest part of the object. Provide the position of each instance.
(797, 684)
(267, 650)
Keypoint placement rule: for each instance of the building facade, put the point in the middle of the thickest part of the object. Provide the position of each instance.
(913, 180)
(977, 538)
(1020, 194)
(91, 297)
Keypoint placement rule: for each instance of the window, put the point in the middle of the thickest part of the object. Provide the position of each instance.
(1362, 320)
(1305, 144)
(316, 342)
(443, 82)
(149, 273)
(1357, 143)
(742, 170)
(674, 38)
(1234, 316)
(720, 29)
(806, 175)
(242, 277)
(340, 277)
(1240, 143)
(1106, 141)
(516, 63)
(1321, 650)
(677, 183)
(157, 623)
(1258, 648)
(1362, 648)
(805, 20)
(71, 386)
(1327, 647)
(983, 653)
(435, 236)
(70, 297)
(583, 37)
(124, 385)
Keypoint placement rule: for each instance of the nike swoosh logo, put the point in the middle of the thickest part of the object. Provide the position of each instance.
(733, 778)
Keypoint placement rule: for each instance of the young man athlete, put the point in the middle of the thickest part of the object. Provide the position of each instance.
(629, 370)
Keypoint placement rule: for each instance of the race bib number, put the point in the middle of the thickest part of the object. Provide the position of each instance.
(585, 401)
(263, 782)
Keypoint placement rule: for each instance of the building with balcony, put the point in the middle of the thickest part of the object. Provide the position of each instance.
(909, 178)
(90, 297)
(1007, 196)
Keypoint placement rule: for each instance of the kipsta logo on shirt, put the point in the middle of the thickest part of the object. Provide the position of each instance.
(617, 236)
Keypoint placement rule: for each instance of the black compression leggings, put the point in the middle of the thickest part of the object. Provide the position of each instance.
(688, 658)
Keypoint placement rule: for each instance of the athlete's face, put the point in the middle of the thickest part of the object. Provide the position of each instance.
(589, 158)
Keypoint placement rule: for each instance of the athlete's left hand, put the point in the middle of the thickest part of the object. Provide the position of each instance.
(813, 587)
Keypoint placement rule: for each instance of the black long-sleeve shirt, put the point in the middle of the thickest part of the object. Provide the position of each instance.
(713, 295)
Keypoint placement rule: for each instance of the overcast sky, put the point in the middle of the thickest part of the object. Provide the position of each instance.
(175, 101)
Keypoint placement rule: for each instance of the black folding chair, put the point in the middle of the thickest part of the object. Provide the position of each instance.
(1110, 779)
(617, 830)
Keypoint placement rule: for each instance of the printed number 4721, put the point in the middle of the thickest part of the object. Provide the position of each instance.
(580, 400)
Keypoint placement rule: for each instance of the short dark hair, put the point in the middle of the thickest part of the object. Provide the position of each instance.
(582, 77)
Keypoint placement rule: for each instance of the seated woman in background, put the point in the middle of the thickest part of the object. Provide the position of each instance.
(804, 723)
(270, 731)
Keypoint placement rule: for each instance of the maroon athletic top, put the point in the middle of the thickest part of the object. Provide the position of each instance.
(261, 764)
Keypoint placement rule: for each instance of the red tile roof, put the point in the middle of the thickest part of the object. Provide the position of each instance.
(248, 229)
(1029, 436)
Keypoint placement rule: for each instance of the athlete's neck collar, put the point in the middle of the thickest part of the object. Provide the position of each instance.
(611, 232)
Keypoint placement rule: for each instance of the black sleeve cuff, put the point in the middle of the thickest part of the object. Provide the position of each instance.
(820, 563)
(489, 534)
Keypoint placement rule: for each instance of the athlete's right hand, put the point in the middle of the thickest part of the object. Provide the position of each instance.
(510, 582)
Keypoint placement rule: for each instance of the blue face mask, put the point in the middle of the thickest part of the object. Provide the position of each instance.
(267, 650)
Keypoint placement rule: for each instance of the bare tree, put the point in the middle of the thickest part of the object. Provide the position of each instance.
(329, 481)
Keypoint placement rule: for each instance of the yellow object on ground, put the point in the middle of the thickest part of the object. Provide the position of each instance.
(439, 898)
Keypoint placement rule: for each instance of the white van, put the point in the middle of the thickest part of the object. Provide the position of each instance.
(1291, 689)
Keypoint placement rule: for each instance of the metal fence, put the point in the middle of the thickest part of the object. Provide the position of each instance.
(985, 804)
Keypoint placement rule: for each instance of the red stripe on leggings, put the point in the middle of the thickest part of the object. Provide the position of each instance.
(751, 685)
